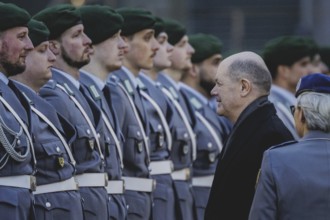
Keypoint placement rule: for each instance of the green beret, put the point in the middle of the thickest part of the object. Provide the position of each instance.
(284, 51)
(313, 47)
(136, 20)
(100, 22)
(159, 26)
(59, 18)
(38, 32)
(174, 30)
(12, 16)
(205, 46)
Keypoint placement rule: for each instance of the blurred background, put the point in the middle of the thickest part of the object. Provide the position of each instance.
(240, 24)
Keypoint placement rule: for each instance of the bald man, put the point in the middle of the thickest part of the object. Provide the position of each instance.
(242, 88)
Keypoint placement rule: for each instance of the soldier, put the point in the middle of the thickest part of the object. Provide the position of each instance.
(213, 130)
(184, 144)
(51, 134)
(138, 34)
(108, 53)
(73, 49)
(162, 133)
(17, 159)
(288, 59)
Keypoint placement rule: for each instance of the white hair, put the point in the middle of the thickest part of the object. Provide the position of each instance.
(316, 108)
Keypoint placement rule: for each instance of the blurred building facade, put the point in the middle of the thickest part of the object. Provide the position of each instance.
(240, 24)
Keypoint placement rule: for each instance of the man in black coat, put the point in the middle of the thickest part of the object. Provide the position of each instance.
(242, 87)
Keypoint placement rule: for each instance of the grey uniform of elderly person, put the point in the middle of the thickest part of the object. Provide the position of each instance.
(17, 160)
(294, 181)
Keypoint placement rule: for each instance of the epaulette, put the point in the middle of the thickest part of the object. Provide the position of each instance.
(284, 144)
(50, 84)
(141, 84)
(196, 103)
(114, 79)
(95, 94)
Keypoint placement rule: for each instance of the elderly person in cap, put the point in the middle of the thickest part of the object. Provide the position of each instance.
(108, 54)
(294, 176)
(72, 49)
(52, 136)
(17, 159)
(215, 129)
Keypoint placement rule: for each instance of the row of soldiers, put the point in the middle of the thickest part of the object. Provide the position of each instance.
(94, 121)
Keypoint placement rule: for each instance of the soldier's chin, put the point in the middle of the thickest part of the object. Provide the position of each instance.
(13, 70)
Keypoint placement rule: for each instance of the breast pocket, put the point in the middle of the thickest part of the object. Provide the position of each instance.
(84, 139)
(54, 158)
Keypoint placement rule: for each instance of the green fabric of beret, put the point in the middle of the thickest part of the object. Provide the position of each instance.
(136, 20)
(38, 32)
(285, 50)
(12, 16)
(100, 22)
(59, 18)
(174, 30)
(159, 26)
(205, 45)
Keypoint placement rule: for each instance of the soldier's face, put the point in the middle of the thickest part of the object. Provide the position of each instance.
(142, 47)
(297, 70)
(76, 47)
(208, 70)
(15, 44)
(181, 55)
(227, 93)
(162, 58)
(110, 52)
(38, 64)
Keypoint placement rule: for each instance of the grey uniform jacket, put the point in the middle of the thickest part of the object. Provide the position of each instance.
(294, 181)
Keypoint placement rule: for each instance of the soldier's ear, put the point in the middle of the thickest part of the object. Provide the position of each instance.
(54, 46)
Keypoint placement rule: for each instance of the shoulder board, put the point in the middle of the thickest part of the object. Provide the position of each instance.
(95, 94)
(113, 79)
(284, 144)
(197, 104)
(128, 87)
(68, 89)
(50, 84)
(140, 84)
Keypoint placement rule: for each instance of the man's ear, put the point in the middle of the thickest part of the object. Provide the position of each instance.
(246, 87)
(283, 71)
(301, 116)
(194, 70)
(54, 46)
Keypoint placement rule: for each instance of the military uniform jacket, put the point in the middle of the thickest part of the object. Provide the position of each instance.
(10, 167)
(84, 148)
(207, 147)
(257, 129)
(112, 159)
(294, 180)
(53, 161)
(159, 149)
(135, 156)
(181, 153)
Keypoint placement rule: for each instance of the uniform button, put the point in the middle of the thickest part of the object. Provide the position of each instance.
(58, 149)
(159, 127)
(185, 135)
(209, 145)
(18, 142)
(48, 204)
(212, 157)
(98, 135)
(138, 133)
(185, 149)
(108, 139)
(88, 131)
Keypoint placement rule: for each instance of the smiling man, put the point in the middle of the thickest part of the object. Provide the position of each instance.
(242, 87)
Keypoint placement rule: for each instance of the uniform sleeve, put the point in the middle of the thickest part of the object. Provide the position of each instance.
(264, 204)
